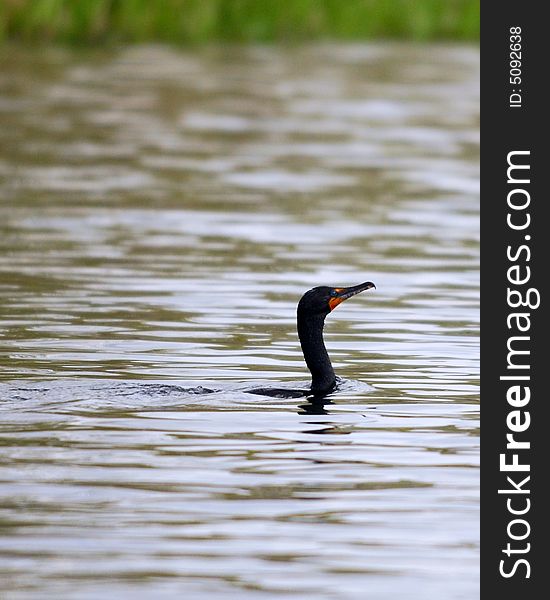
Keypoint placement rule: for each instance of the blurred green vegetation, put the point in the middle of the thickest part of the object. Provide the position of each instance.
(195, 21)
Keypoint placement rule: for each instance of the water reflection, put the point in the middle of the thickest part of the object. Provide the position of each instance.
(162, 213)
(315, 406)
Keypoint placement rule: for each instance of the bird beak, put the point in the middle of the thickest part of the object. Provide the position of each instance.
(345, 293)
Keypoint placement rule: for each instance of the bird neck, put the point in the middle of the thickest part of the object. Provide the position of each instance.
(310, 332)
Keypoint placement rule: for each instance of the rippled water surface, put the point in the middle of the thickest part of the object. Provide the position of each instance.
(162, 213)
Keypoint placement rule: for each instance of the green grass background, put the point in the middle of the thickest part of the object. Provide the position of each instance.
(197, 21)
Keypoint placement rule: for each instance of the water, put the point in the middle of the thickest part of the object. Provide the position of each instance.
(162, 213)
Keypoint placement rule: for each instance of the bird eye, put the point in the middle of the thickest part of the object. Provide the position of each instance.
(333, 293)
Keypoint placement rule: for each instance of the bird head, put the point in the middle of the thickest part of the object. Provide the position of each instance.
(321, 300)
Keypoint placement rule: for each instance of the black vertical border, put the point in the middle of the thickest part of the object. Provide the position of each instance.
(505, 129)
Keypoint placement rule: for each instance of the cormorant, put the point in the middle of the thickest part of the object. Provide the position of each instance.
(313, 308)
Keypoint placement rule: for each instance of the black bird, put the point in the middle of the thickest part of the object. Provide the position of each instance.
(313, 308)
